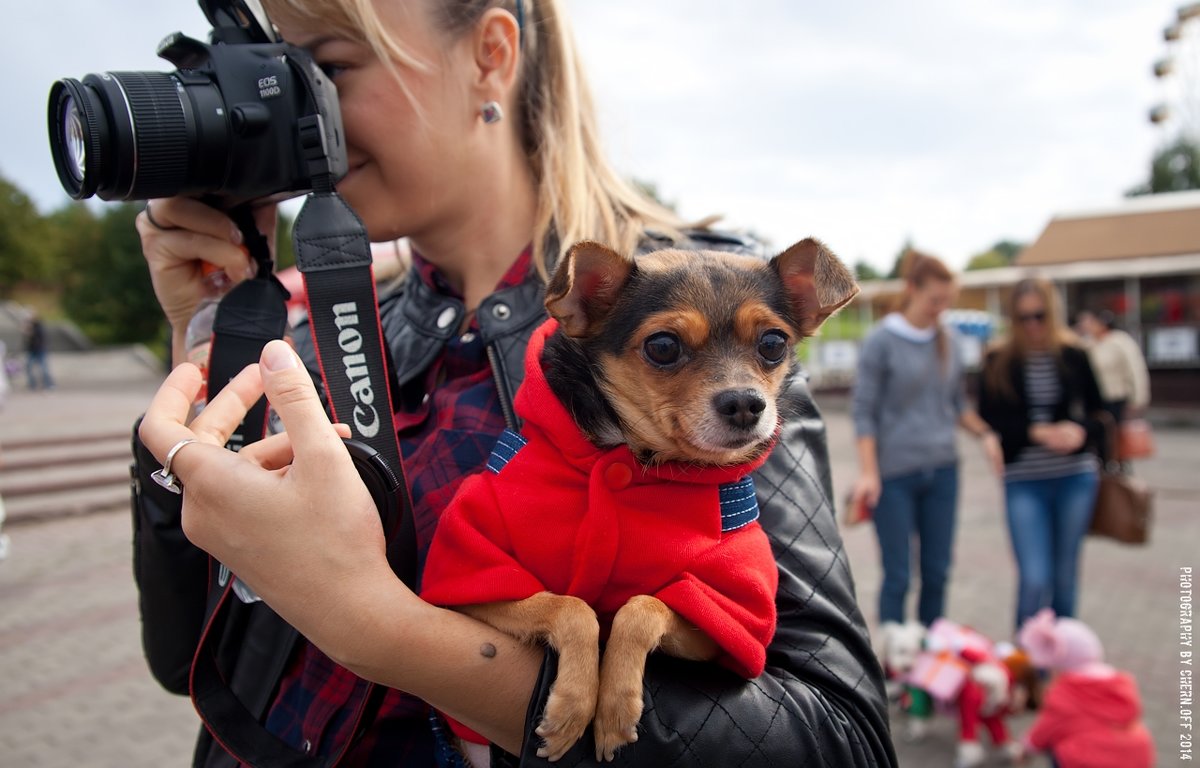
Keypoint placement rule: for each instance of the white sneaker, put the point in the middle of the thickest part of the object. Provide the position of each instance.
(970, 754)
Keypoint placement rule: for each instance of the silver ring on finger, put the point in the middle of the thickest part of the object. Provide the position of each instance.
(153, 223)
(164, 476)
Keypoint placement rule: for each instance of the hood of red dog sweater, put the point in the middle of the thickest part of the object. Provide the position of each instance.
(540, 408)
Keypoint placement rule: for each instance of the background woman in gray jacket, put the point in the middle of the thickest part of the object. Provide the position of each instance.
(908, 400)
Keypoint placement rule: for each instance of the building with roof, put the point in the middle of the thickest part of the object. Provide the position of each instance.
(1139, 259)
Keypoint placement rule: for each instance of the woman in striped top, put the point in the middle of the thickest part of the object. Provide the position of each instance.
(1039, 394)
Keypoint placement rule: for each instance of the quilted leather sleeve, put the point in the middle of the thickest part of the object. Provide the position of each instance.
(820, 701)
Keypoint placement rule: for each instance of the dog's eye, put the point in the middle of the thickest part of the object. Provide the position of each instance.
(663, 349)
(772, 345)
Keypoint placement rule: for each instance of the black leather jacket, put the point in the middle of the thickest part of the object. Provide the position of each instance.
(820, 701)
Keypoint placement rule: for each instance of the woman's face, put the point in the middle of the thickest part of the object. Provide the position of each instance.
(406, 156)
(1090, 325)
(927, 301)
(1033, 319)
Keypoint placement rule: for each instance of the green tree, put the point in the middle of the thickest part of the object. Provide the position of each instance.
(23, 253)
(1002, 254)
(863, 270)
(1174, 168)
(894, 272)
(285, 249)
(107, 289)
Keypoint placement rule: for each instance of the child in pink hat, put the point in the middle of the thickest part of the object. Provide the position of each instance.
(1091, 714)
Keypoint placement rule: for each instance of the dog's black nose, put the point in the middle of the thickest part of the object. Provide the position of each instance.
(740, 407)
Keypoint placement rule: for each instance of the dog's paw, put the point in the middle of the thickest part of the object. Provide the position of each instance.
(617, 716)
(568, 712)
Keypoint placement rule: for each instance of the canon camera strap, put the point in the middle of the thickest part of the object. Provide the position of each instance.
(334, 256)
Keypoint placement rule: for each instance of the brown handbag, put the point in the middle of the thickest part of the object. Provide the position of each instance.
(1124, 503)
(1124, 507)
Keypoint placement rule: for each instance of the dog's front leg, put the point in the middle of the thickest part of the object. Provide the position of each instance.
(639, 627)
(569, 626)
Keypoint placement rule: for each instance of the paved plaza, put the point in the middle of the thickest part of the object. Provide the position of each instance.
(74, 690)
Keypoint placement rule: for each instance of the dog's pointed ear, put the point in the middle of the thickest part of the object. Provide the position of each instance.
(585, 286)
(817, 283)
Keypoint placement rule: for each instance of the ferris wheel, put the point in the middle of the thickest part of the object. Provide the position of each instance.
(1178, 73)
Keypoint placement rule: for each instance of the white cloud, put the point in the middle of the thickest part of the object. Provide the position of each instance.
(954, 124)
(864, 123)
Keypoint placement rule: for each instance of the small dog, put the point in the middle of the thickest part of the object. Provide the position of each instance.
(625, 508)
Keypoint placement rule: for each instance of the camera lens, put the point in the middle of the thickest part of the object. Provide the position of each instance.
(76, 158)
(135, 135)
(75, 136)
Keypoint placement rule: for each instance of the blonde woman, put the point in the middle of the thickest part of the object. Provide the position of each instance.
(1039, 393)
(909, 401)
(471, 132)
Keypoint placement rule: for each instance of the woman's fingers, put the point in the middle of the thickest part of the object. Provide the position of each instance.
(223, 413)
(272, 452)
(275, 451)
(291, 392)
(185, 214)
(165, 421)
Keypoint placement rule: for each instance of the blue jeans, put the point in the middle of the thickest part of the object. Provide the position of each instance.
(38, 360)
(1047, 520)
(921, 503)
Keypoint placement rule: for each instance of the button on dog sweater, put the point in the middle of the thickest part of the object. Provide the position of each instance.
(555, 513)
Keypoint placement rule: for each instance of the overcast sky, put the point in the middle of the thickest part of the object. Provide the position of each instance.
(863, 123)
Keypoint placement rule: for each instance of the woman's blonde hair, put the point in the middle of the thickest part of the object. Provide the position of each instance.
(917, 269)
(580, 195)
(1017, 346)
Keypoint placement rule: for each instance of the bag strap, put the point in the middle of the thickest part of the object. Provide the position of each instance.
(250, 315)
(334, 257)
(1108, 458)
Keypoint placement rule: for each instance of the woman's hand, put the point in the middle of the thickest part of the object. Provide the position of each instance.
(183, 234)
(1061, 437)
(866, 491)
(289, 515)
(993, 451)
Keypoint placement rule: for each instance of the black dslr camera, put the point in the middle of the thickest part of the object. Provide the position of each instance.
(244, 117)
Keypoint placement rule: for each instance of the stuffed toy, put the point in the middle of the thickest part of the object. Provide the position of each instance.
(1091, 713)
(966, 673)
(900, 646)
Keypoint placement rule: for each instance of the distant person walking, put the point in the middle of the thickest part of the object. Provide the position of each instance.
(1118, 364)
(1039, 393)
(908, 400)
(4, 390)
(35, 354)
(5, 384)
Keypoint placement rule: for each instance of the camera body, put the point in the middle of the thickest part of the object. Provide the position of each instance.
(245, 117)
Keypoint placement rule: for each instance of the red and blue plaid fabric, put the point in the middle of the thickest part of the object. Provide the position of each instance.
(443, 441)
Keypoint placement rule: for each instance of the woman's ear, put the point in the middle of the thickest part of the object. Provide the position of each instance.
(497, 51)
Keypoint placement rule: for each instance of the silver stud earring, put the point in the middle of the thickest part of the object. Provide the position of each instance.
(491, 112)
